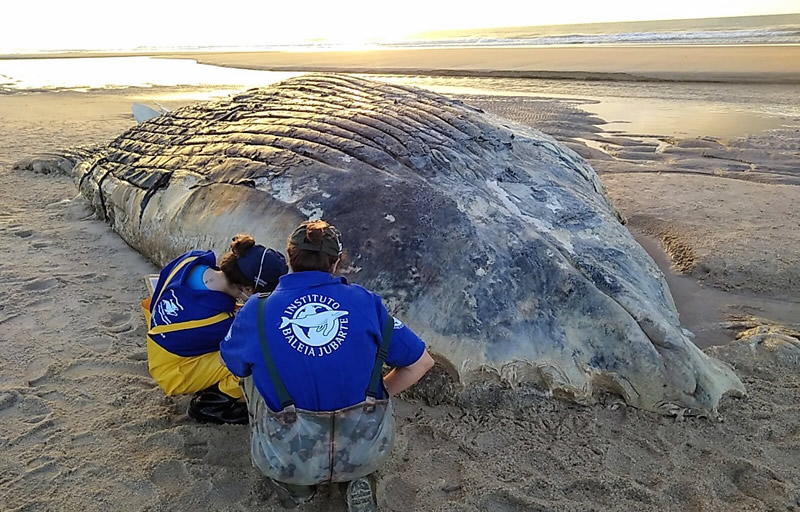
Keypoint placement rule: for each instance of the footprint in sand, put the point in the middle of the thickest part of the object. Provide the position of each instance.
(100, 368)
(91, 277)
(42, 467)
(91, 369)
(99, 344)
(226, 487)
(83, 439)
(396, 494)
(5, 316)
(40, 303)
(752, 480)
(37, 368)
(507, 500)
(8, 401)
(195, 446)
(23, 233)
(592, 490)
(23, 408)
(170, 475)
(38, 434)
(138, 356)
(40, 285)
(117, 323)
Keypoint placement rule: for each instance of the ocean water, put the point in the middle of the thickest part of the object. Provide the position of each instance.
(772, 29)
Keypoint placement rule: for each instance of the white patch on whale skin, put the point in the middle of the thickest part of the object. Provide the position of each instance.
(311, 210)
(559, 262)
(505, 198)
(262, 184)
(280, 188)
(389, 217)
(553, 204)
(350, 270)
(543, 227)
(476, 207)
(559, 234)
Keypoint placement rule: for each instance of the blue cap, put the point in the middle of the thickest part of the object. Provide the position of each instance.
(263, 267)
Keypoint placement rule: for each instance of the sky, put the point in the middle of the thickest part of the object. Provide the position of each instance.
(100, 24)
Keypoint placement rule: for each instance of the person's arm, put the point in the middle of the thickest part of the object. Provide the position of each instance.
(234, 349)
(400, 379)
(407, 355)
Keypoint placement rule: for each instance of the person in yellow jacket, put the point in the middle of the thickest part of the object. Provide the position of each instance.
(190, 313)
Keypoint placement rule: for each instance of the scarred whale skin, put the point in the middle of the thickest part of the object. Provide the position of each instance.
(496, 244)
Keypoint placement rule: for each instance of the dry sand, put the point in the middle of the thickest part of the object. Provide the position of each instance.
(83, 427)
(773, 64)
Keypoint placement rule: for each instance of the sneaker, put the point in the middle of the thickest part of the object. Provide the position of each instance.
(359, 496)
(213, 406)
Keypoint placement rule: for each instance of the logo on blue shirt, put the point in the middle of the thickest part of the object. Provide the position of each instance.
(314, 325)
(167, 308)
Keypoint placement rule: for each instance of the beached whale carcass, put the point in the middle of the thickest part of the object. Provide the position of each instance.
(495, 243)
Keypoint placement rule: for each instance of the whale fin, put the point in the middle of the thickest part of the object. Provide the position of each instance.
(284, 322)
(144, 113)
(328, 327)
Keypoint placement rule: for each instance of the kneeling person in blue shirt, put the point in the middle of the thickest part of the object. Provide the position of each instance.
(312, 353)
(192, 310)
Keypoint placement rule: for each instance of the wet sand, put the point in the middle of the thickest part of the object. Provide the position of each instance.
(708, 311)
(746, 63)
(83, 427)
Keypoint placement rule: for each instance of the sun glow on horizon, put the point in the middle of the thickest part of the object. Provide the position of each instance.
(91, 24)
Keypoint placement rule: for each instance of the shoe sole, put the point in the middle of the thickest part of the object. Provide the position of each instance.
(360, 497)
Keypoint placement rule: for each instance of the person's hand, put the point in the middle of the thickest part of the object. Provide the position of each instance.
(400, 379)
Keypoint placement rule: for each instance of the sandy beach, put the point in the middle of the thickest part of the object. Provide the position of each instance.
(750, 63)
(83, 427)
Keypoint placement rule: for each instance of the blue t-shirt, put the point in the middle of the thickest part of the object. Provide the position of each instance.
(195, 278)
(323, 335)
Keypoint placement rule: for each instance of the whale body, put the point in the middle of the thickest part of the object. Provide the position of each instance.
(492, 241)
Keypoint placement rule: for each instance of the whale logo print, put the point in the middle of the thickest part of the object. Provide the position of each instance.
(169, 307)
(314, 324)
(323, 322)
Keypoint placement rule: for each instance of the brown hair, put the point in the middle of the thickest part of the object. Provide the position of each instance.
(239, 246)
(302, 260)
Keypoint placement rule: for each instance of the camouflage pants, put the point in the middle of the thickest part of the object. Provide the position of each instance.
(318, 446)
